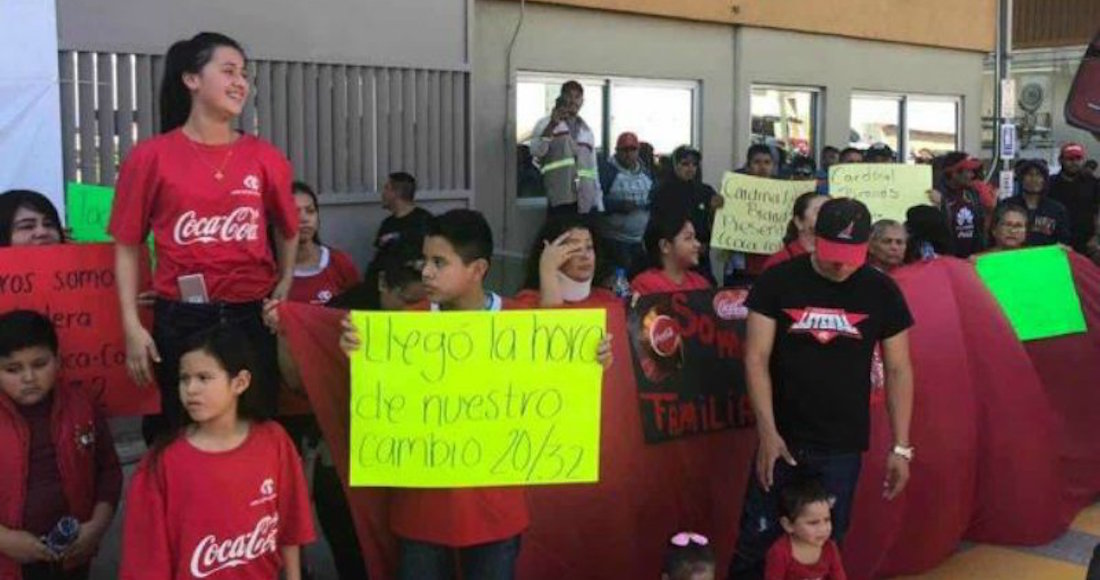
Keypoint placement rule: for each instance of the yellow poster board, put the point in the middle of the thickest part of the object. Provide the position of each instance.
(887, 189)
(476, 399)
(756, 211)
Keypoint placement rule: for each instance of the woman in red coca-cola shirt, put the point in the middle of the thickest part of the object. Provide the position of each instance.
(208, 193)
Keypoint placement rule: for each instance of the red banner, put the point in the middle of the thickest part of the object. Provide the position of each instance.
(987, 467)
(74, 286)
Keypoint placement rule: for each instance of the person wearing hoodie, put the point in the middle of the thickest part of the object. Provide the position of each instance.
(1077, 189)
(1047, 220)
(684, 191)
(627, 184)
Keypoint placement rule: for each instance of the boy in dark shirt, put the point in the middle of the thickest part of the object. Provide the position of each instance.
(1047, 220)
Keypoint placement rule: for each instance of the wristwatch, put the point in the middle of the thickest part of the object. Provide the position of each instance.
(904, 452)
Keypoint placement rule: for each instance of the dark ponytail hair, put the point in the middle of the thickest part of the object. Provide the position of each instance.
(186, 56)
(229, 346)
(13, 200)
(303, 187)
(662, 226)
(801, 204)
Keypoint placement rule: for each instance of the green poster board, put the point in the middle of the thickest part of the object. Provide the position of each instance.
(88, 208)
(1035, 289)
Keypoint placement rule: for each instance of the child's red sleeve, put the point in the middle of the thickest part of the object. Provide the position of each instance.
(836, 565)
(295, 517)
(146, 553)
(777, 561)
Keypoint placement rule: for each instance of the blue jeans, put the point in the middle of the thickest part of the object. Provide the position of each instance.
(425, 561)
(839, 474)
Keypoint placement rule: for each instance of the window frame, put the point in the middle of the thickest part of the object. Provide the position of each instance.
(817, 108)
(903, 99)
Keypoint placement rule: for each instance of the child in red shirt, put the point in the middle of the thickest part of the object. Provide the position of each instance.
(58, 461)
(209, 194)
(688, 556)
(226, 497)
(479, 528)
(673, 253)
(807, 552)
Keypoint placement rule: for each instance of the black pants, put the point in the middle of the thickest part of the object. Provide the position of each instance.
(334, 514)
(48, 571)
(174, 323)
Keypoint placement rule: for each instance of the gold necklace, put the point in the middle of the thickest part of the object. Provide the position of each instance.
(219, 172)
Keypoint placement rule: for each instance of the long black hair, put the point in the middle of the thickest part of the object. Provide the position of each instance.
(187, 56)
(230, 346)
(801, 204)
(662, 226)
(13, 200)
(303, 187)
(554, 227)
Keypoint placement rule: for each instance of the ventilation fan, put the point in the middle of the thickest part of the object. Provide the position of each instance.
(1031, 97)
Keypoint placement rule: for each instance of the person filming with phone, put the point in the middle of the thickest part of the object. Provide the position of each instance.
(565, 149)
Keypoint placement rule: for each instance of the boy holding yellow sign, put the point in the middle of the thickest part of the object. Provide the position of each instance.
(480, 527)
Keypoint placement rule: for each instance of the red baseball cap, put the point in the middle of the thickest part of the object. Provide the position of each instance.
(967, 162)
(627, 140)
(1073, 151)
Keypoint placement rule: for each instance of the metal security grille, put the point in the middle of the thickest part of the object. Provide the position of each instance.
(343, 127)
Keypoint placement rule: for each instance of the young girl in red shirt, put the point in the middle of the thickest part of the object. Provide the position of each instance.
(320, 272)
(226, 495)
(209, 194)
(673, 253)
(807, 550)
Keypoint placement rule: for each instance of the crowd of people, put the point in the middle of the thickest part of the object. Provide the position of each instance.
(222, 488)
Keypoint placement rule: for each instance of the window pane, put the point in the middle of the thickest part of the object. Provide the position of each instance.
(662, 116)
(535, 99)
(875, 120)
(933, 127)
(784, 117)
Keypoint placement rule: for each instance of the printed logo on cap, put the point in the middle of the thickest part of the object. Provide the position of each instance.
(846, 233)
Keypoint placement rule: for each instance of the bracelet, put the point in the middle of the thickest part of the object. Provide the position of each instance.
(904, 452)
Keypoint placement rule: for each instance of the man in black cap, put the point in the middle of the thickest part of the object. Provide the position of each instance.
(683, 192)
(1047, 220)
(813, 325)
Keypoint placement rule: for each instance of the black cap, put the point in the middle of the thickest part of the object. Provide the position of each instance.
(878, 151)
(842, 231)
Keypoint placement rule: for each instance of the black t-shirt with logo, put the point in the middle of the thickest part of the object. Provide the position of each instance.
(824, 339)
(393, 228)
(966, 221)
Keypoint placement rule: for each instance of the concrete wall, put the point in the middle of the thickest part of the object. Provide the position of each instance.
(368, 32)
(841, 66)
(567, 40)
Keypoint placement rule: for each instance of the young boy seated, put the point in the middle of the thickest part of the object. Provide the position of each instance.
(58, 462)
(807, 551)
(688, 557)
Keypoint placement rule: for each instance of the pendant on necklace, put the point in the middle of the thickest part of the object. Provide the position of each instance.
(218, 175)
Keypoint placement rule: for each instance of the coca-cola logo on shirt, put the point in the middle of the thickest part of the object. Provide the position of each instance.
(730, 304)
(212, 555)
(664, 336)
(240, 225)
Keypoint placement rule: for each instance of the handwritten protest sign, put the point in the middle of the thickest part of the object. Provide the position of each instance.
(472, 399)
(755, 213)
(74, 286)
(688, 362)
(89, 210)
(1035, 289)
(887, 189)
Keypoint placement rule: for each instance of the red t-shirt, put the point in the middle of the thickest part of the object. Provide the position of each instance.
(782, 565)
(334, 274)
(460, 517)
(654, 281)
(202, 225)
(529, 298)
(790, 251)
(217, 515)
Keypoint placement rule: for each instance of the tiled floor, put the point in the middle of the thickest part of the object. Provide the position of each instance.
(1065, 558)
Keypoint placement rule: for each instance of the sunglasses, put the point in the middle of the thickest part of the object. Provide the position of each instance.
(683, 539)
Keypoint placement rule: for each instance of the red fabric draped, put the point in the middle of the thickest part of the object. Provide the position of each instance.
(994, 428)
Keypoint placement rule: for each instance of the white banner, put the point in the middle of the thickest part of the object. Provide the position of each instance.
(30, 102)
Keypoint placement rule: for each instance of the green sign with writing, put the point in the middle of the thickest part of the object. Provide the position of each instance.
(88, 208)
(1035, 289)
